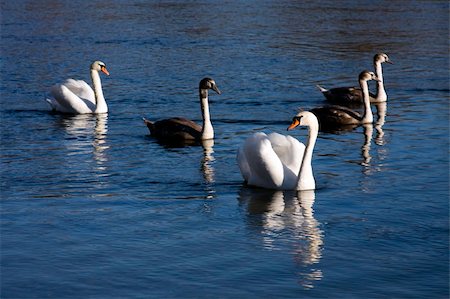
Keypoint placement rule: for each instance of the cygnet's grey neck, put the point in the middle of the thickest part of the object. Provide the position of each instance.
(207, 129)
(367, 116)
(381, 93)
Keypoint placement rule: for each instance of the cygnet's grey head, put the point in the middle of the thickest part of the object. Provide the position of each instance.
(368, 75)
(208, 83)
(381, 57)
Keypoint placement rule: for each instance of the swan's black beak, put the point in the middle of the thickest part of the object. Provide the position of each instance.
(214, 87)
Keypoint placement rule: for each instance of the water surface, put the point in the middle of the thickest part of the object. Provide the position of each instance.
(93, 207)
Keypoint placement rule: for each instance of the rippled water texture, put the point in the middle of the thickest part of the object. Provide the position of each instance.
(93, 207)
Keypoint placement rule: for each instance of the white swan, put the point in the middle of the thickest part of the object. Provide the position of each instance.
(77, 97)
(180, 129)
(353, 95)
(280, 162)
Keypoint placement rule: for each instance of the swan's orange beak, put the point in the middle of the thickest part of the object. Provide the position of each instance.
(104, 70)
(294, 124)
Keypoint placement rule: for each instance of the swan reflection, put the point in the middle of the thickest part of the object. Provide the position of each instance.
(207, 167)
(207, 160)
(368, 134)
(100, 142)
(287, 217)
(381, 114)
(87, 134)
(365, 149)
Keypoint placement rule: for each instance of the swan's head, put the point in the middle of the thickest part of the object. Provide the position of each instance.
(99, 67)
(208, 83)
(381, 57)
(304, 118)
(368, 75)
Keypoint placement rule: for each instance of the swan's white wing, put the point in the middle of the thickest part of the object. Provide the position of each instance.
(56, 106)
(289, 150)
(264, 166)
(243, 164)
(66, 100)
(81, 89)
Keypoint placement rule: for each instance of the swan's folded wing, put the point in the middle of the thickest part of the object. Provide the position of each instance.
(289, 150)
(346, 95)
(265, 166)
(243, 164)
(81, 89)
(69, 102)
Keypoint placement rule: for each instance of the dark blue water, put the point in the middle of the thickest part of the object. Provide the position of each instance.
(93, 207)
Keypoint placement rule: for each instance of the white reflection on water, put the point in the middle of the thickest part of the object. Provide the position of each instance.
(381, 113)
(207, 160)
(100, 143)
(288, 217)
(86, 153)
(368, 135)
(87, 133)
(207, 168)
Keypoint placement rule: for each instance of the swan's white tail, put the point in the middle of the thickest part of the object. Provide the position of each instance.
(321, 88)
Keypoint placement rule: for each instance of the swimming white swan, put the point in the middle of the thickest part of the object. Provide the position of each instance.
(77, 97)
(182, 129)
(353, 95)
(278, 161)
(333, 115)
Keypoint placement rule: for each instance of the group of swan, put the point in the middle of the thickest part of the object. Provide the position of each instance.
(353, 95)
(334, 115)
(271, 161)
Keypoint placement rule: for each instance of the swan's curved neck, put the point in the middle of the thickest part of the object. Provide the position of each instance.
(100, 103)
(305, 178)
(207, 128)
(367, 116)
(381, 93)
